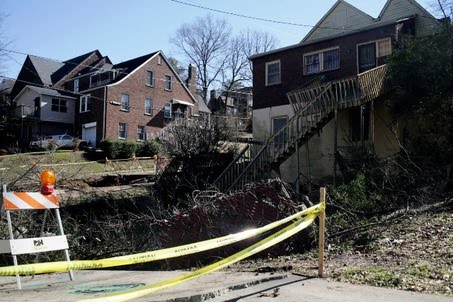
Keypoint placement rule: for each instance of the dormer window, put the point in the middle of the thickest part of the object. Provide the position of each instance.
(101, 78)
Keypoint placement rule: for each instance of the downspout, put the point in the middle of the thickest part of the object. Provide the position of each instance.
(104, 114)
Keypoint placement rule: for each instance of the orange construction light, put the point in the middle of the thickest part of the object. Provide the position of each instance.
(47, 177)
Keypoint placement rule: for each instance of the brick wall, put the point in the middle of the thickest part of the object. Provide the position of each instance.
(135, 86)
(291, 62)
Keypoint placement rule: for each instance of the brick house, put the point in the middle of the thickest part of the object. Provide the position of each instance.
(130, 100)
(315, 97)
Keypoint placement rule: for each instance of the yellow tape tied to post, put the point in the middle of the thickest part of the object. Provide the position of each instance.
(269, 241)
(61, 266)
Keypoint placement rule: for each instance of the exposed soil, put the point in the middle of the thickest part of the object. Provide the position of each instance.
(412, 253)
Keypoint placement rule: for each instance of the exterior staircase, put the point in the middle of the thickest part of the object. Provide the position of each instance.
(314, 106)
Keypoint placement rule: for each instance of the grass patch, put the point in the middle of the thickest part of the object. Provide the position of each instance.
(373, 275)
(65, 163)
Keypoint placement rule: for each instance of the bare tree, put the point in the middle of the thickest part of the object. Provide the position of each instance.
(255, 42)
(238, 68)
(204, 42)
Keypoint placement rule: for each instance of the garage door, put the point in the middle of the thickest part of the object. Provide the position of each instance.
(89, 133)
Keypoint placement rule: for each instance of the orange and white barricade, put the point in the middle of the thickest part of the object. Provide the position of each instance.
(16, 201)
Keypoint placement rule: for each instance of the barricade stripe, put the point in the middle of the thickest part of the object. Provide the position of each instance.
(61, 266)
(49, 201)
(8, 204)
(16, 201)
(30, 200)
(273, 239)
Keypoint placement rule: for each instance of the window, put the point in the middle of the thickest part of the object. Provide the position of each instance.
(167, 110)
(384, 48)
(122, 130)
(150, 78)
(159, 60)
(125, 102)
(148, 106)
(273, 73)
(141, 133)
(85, 103)
(322, 61)
(168, 83)
(76, 85)
(101, 78)
(59, 105)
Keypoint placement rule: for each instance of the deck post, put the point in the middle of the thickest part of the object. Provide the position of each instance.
(322, 220)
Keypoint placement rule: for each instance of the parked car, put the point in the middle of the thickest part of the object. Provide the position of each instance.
(58, 141)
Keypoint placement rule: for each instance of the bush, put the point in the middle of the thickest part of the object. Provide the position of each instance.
(118, 148)
(148, 148)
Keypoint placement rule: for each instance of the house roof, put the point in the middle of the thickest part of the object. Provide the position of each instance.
(341, 17)
(46, 91)
(202, 107)
(45, 68)
(70, 65)
(126, 67)
(407, 9)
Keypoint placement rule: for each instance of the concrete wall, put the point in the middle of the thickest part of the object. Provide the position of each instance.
(316, 158)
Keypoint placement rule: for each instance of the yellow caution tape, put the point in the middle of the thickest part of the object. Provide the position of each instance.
(273, 239)
(192, 248)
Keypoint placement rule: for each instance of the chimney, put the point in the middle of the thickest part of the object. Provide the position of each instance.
(213, 95)
(191, 81)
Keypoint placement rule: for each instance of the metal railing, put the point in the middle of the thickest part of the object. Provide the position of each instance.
(343, 93)
(25, 111)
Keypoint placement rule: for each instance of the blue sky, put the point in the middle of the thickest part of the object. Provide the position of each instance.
(61, 29)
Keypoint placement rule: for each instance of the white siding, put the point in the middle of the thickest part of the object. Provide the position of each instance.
(51, 116)
(342, 18)
(28, 98)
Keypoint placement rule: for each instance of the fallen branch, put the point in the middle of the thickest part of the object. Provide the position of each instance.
(397, 214)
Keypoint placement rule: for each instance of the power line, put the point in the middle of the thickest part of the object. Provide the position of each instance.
(250, 17)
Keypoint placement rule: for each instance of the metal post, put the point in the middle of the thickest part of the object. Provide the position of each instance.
(11, 237)
(66, 252)
(335, 147)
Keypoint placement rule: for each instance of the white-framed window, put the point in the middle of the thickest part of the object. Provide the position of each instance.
(159, 60)
(125, 102)
(150, 78)
(148, 106)
(168, 82)
(384, 47)
(122, 130)
(85, 103)
(328, 59)
(168, 110)
(273, 74)
(141, 133)
(59, 105)
(76, 85)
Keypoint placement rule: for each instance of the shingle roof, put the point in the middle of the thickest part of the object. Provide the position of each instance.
(69, 65)
(50, 91)
(202, 107)
(45, 68)
(127, 67)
